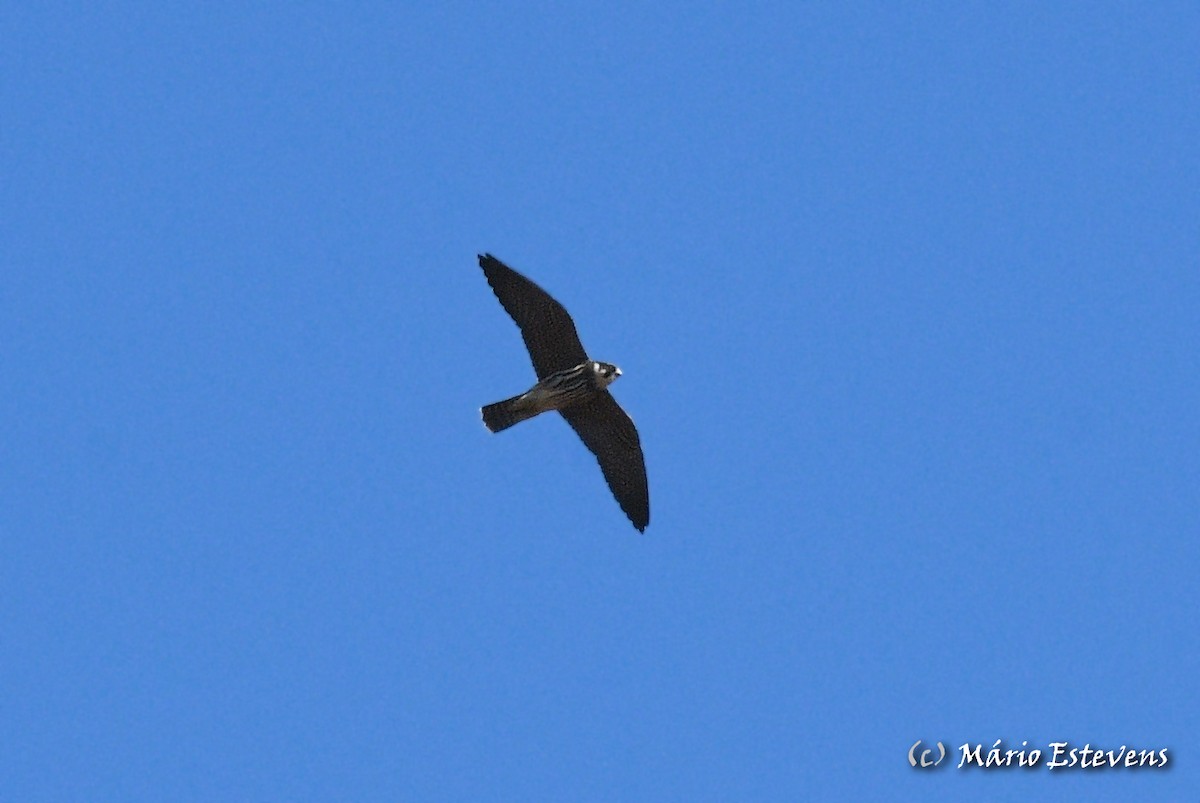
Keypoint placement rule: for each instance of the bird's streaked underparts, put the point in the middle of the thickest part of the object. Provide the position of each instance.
(571, 383)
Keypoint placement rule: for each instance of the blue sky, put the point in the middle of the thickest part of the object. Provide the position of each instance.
(906, 301)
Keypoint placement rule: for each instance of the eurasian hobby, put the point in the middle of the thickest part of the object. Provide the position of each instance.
(571, 383)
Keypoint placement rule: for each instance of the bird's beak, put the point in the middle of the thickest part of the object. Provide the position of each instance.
(618, 372)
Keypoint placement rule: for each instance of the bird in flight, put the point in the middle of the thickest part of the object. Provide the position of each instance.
(571, 383)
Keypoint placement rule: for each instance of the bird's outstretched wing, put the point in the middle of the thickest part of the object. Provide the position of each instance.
(609, 432)
(548, 330)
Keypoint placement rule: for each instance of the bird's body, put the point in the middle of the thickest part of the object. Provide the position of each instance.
(559, 390)
(572, 384)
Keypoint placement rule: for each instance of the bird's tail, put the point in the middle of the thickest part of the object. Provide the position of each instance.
(502, 415)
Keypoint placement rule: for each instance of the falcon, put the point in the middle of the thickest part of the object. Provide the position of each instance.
(571, 383)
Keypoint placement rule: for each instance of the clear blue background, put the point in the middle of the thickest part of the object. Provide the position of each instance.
(907, 303)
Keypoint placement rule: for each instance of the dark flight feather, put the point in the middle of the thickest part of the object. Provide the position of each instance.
(609, 433)
(548, 330)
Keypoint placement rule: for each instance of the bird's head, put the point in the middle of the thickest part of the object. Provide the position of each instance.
(606, 373)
